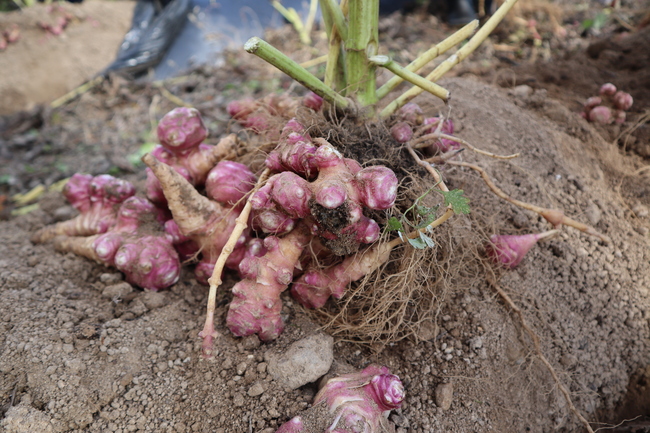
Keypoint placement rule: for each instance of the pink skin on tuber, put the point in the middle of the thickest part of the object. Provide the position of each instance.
(229, 182)
(341, 184)
(623, 100)
(313, 101)
(315, 286)
(181, 132)
(601, 114)
(256, 305)
(135, 245)
(444, 144)
(97, 199)
(410, 113)
(263, 114)
(181, 129)
(356, 402)
(401, 132)
(206, 222)
(607, 89)
(295, 152)
(509, 250)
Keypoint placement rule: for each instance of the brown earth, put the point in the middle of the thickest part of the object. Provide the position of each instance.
(40, 67)
(77, 357)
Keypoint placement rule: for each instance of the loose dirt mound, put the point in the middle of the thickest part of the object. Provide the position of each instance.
(80, 354)
(40, 66)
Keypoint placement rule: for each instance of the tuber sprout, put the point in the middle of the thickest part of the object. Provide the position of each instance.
(509, 250)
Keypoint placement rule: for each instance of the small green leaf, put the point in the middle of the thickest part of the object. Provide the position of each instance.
(423, 210)
(393, 224)
(417, 243)
(458, 203)
(427, 240)
(134, 158)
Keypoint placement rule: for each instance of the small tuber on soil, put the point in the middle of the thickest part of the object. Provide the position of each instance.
(509, 250)
(96, 198)
(136, 245)
(355, 402)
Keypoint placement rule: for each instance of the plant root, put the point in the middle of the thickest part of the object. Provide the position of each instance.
(536, 343)
(554, 216)
(208, 333)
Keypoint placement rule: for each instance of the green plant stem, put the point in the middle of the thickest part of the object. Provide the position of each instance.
(411, 77)
(292, 16)
(428, 56)
(453, 60)
(362, 42)
(271, 55)
(311, 16)
(336, 14)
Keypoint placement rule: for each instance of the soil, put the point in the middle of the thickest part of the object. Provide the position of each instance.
(82, 351)
(41, 66)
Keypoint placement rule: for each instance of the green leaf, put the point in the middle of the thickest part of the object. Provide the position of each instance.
(134, 158)
(458, 203)
(427, 240)
(393, 224)
(417, 243)
(423, 210)
(426, 221)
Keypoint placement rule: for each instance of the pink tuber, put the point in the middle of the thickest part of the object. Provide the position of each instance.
(256, 305)
(401, 132)
(135, 245)
(355, 402)
(623, 100)
(444, 144)
(263, 114)
(601, 114)
(609, 107)
(294, 152)
(607, 89)
(313, 101)
(206, 222)
(509, 250)
(315, 286)
(96, 198)
(181, 132)
(335, 200)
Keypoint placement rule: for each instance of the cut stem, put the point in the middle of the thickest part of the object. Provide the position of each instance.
(411, 77)
(553, 216)
(273, 56)
(452, 61)
(428, 56)
(208, 333)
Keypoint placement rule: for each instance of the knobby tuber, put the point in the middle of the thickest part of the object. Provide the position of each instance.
(207, 223)
(256, 305)
(341, 186)
(96, 198)
(609, 107)
(355, 402)
(181, 133)
(136, 245)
